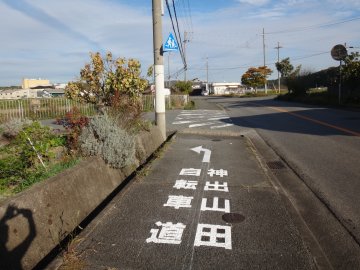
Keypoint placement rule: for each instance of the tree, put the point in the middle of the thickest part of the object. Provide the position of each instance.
(102, 80)
(284, 67)
(183, 86)
(351, 69)
(351, 77)
(255, 77)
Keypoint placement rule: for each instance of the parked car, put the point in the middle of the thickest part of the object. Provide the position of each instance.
(204, 93)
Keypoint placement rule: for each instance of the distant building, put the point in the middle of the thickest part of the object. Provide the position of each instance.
(18, 93)
(57, 92)
(32, 83)
(60, 85)
(226, 88)
(31, 93)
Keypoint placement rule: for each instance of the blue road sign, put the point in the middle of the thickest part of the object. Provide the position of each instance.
(171, 44)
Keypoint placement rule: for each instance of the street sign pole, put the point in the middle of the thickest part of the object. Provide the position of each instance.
(340, 82)
(339, 53)
(159, 67)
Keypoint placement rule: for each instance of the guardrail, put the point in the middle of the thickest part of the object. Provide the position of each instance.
(47, 108)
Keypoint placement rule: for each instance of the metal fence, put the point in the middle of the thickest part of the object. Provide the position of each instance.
(171, 102)
(44, 108)
(47, 108)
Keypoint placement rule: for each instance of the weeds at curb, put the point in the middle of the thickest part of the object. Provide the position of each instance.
(159, 153)
(71, 259)
(144, 172)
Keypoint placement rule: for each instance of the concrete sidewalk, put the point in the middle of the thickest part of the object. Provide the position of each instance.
(205, 203)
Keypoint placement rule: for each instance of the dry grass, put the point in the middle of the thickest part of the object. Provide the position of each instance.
(71, 259)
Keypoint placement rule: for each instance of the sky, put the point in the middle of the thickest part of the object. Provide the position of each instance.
(52, 40)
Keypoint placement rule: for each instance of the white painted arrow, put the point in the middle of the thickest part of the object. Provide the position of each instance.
(207, 153)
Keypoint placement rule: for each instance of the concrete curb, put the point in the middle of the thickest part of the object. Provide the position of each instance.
(35, 221)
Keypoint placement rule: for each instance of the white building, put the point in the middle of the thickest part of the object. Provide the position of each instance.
(19, 93)
(226, 88)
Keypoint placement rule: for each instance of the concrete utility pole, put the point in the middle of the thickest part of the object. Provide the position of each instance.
(278, 53)
(159, 67)
(185, 41)
(169, 75)
(263, 34)
(207, 70)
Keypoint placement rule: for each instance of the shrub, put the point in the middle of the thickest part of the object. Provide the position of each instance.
(34, 140)
(184, 87)
(19, 160)
(11, 129)
(74, 122)
(126, 111)
(103, 137)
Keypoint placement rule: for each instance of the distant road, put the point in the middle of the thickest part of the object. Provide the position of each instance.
(321, 144)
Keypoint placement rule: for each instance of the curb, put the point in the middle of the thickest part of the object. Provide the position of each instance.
(35, 222)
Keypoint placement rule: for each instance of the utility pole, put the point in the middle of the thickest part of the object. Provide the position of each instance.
(169, 75)
(159, 67)
(263, 34)
(278, 53)
(207, 69)
(185, 41)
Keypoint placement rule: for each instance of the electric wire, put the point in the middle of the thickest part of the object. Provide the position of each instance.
(248, 66)
(177, 24)
(305, 28)
(176, 33)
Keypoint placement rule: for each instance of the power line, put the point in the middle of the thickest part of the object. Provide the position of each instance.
(176, 33)
(248, 65)
(177, 24)
(309, 56)
(187, 17)
(310, 27)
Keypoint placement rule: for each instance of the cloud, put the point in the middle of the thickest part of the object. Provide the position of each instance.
(54, 42)
(52, 39)
(232, 38)
(254, 2)
(41, 16)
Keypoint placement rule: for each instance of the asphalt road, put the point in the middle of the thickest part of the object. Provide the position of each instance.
(211, 209)
(321, 144)
(301, 215)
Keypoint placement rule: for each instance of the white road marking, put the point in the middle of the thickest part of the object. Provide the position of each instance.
(215, 206)
(219, 118)
(213, 236)
(183, 122)
(220, 172)
(169, 233)
(207, 153)
(178, 201)
(185, 184)
(216, 186)
(190, 171)
(222, 126)
(201, 124)
(202, 118)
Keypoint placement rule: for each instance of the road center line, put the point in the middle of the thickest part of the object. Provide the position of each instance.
(348, 131)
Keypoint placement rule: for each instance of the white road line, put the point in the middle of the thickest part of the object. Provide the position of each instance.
(219, 118)
(183, 122)
(201, 124)
(200, 118)
(222, 126)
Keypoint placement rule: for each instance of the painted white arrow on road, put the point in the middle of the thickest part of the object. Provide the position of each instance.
(207, 153)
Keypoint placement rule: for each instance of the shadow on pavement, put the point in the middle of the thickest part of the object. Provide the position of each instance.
(309, 120)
